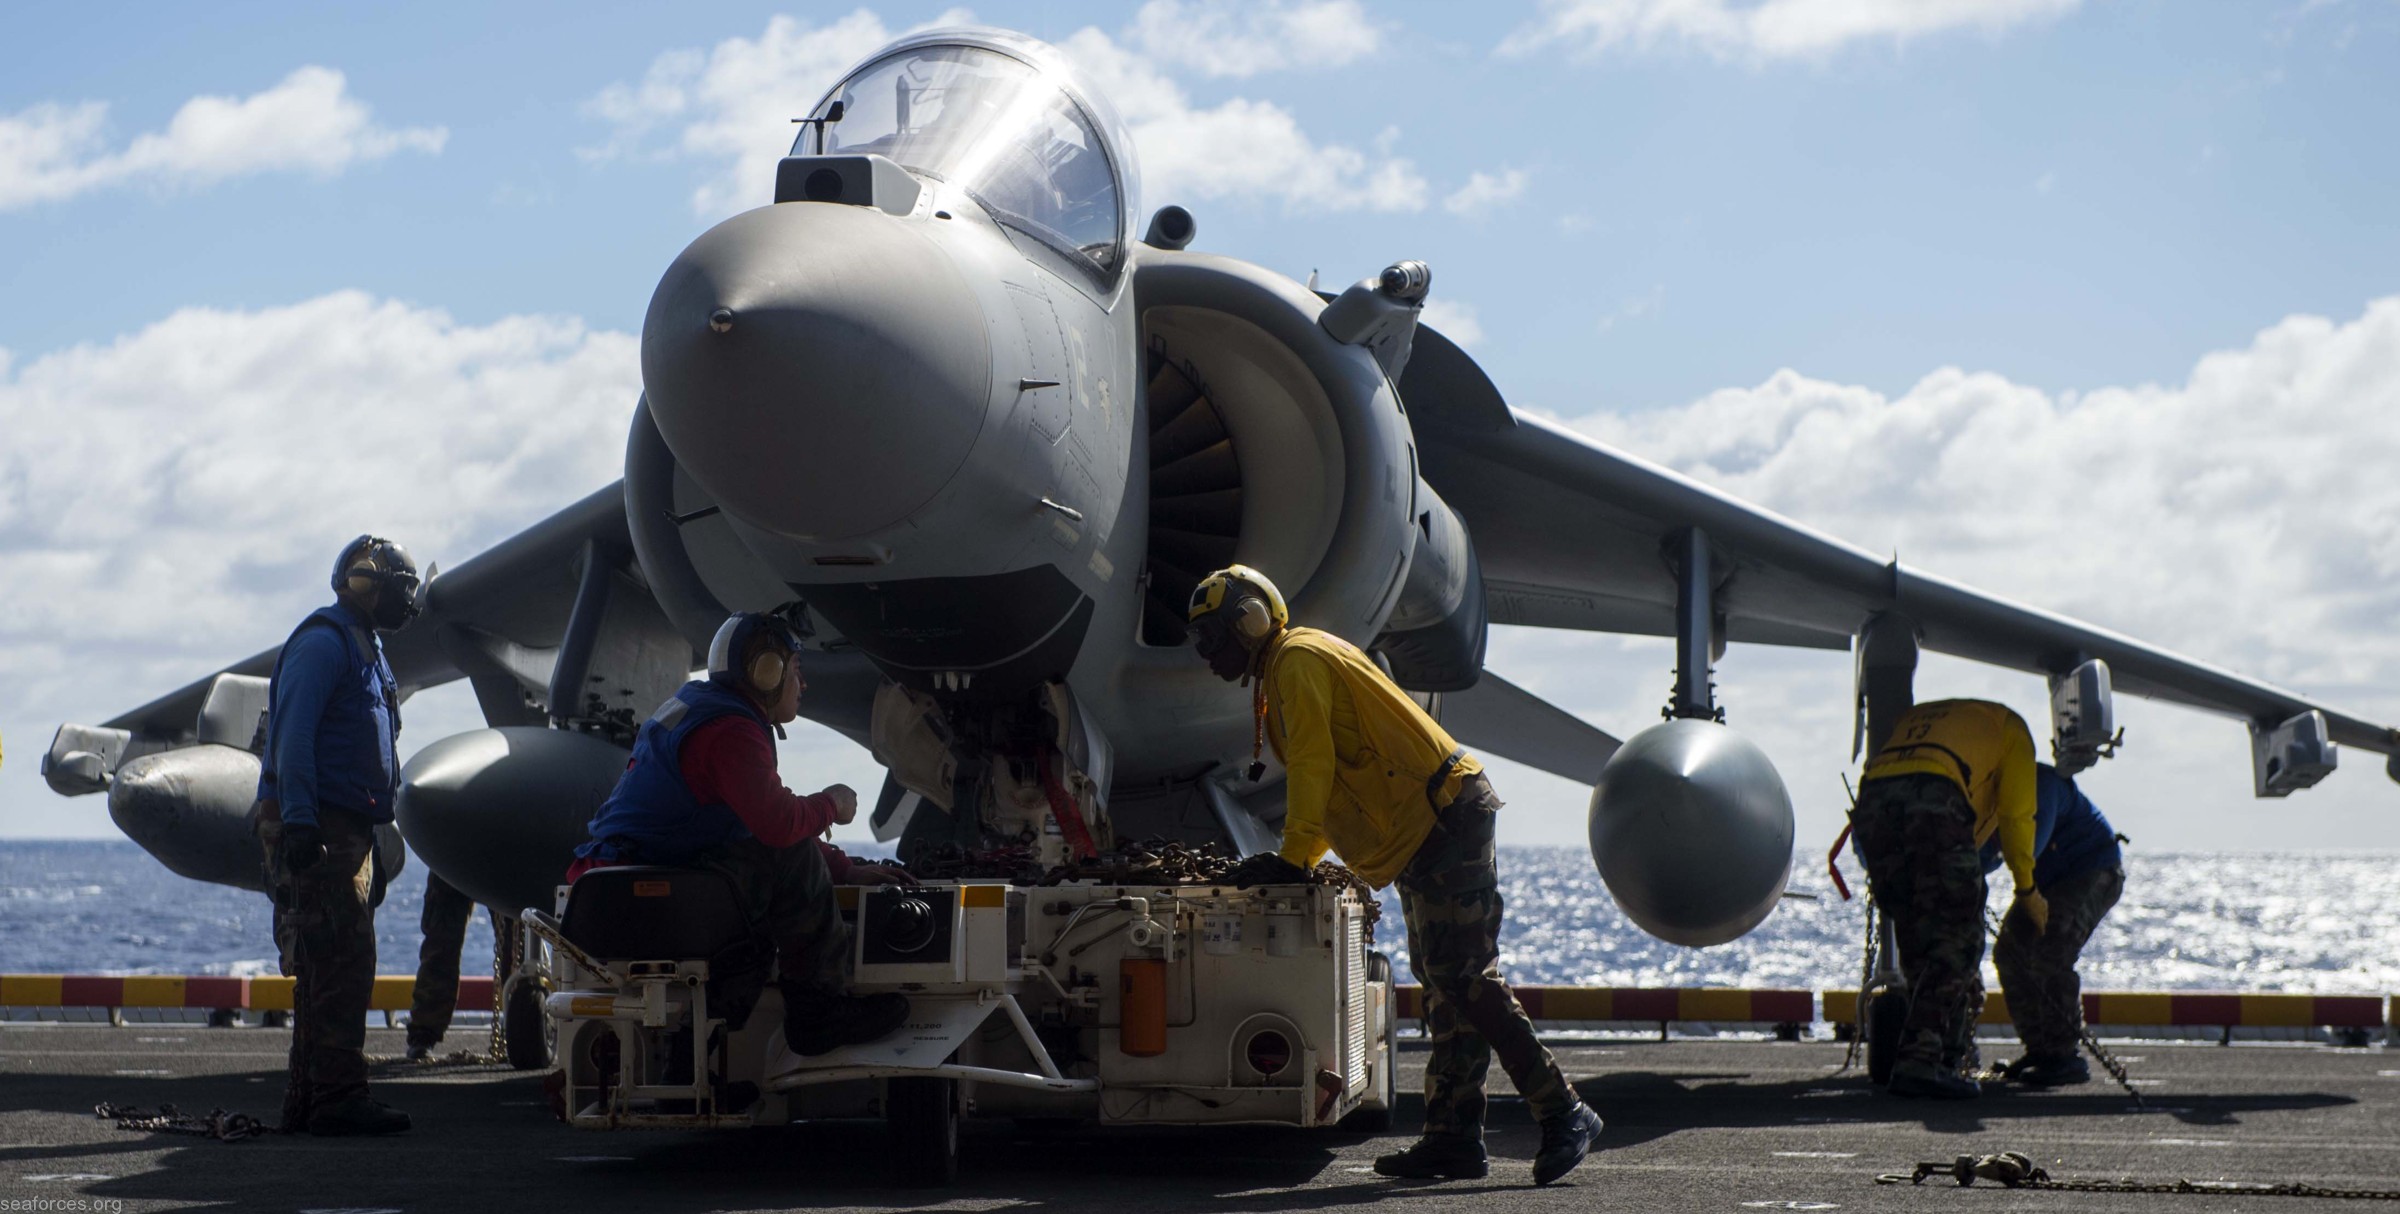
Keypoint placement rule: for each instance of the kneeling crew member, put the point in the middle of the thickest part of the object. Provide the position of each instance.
(1955, 773)
(2080, 872)
(702, 792)
(1373, 776)
(327, 782)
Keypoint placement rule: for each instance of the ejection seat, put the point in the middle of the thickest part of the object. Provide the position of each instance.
(661, 965)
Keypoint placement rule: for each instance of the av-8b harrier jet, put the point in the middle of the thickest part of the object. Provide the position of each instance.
(978, 426)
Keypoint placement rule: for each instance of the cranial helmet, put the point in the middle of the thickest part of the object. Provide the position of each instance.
(371, 563)
(1253, 607)
(755, 648)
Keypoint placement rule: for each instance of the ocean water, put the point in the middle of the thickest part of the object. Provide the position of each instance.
(2321, 924)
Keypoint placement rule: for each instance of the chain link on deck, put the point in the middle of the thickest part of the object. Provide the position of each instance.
(2015, 1170)
(496, 1049)
(220, 1124)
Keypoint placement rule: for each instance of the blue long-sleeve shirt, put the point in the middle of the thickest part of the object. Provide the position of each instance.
(332, 725)
(2069, 834)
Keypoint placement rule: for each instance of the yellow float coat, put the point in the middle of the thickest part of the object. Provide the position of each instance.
(1357, 753)
(1985, 749)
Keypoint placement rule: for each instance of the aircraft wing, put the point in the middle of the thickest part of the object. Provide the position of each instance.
(1572, 533)
(522, 590)
(502, 620)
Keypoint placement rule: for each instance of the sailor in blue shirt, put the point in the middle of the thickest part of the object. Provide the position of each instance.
(2080, 871)
(326, 783)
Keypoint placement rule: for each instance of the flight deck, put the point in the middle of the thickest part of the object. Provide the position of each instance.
(1693, 1124)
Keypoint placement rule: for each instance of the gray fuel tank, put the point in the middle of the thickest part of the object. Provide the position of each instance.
(1692, 831)
(190, 808)
(499, 812)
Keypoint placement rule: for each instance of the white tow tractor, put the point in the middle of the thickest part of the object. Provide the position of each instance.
(1083, 1001)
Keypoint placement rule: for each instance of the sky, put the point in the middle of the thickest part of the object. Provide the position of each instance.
(2092, 304)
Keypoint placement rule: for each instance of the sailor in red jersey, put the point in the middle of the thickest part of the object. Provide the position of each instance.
(702, 792)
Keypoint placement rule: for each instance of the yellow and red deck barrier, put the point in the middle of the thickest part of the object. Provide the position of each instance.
(273, 994)
(1548, 1003)
(2186, 1009)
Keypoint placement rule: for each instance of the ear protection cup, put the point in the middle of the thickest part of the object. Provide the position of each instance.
(1253, 606)
(355, 569)
(1252, 621)
(766, 672)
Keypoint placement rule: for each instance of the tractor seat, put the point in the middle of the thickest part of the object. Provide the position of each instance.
(645, 913)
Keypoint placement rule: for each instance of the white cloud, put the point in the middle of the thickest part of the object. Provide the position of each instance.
(1240, 149)
(1635, 309)
(1484, 191)
(2245, 517)
(1765, 29)
(166, 500)
(1454, 320)
(1220, 38)
(731, 108)
(171, 500)
(307, 123)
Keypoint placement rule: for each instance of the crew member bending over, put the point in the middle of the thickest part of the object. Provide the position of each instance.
(1955, 773)
(2080, 872)
(1377, 780)
(702, 792)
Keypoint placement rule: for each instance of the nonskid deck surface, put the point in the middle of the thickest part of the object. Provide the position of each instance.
(1692, 1125)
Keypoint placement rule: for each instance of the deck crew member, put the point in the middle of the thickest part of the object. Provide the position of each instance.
(327, 783)
(1954, 774)
(702, 792)
(2080, 871)
(1369, 775)
(443, 924)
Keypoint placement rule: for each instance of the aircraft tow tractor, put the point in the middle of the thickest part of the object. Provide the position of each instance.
(1125, 991)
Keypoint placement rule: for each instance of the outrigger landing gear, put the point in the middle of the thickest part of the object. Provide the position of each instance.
(526, 1030)
(924, 1117)
(1883, 1009)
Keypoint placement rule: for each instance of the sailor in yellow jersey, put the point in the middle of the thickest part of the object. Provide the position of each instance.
(1954, 774)
(1369, 775)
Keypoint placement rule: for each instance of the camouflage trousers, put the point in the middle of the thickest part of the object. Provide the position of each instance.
(788, 893)
(2037, 969)
(444, 926)
(325, 932)
(1450, 896)
(1917, 836)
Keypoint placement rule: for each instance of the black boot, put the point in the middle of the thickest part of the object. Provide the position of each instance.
(1912, 1078)
(356, 1117)
(1437, 1157)
(2050, 1070)
(1566, 1139)
(816, 1023)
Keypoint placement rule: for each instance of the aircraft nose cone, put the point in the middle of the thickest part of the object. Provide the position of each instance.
(821, 370)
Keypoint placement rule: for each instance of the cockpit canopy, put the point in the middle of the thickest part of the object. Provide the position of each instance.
(995, 126)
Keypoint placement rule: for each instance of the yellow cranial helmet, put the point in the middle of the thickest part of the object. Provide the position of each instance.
(1257, 606)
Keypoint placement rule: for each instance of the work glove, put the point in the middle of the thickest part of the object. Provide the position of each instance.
(303, 846)
(2035, 908)
(1266, 868)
